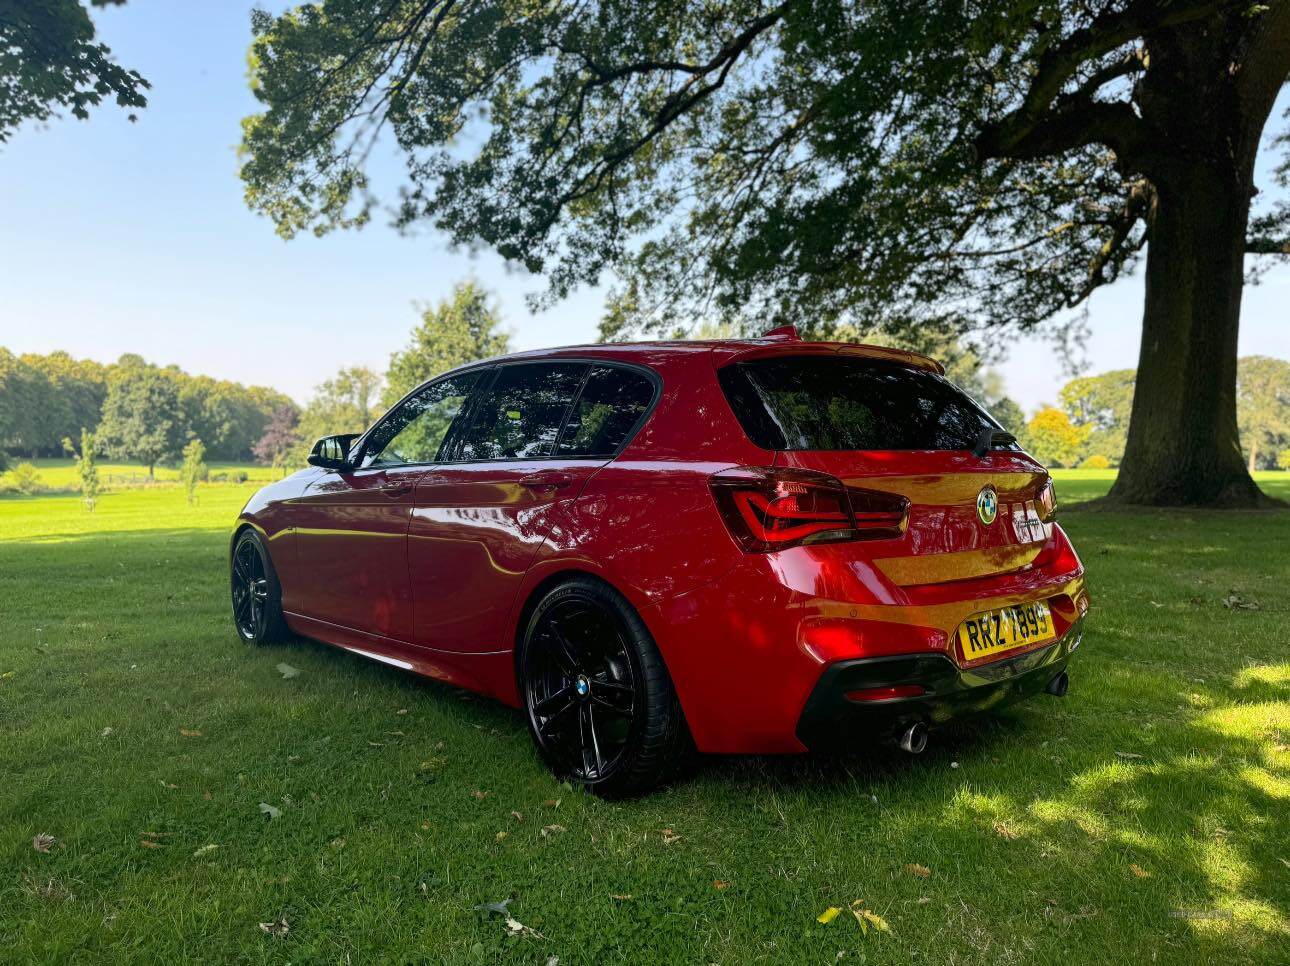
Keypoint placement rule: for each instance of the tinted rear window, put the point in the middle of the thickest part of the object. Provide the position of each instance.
(612, 402)
(849, 403)
(520, 416)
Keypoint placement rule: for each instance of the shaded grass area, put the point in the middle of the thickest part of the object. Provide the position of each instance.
(1142, 818)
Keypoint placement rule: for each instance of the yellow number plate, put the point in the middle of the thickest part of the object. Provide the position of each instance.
(1001, 630)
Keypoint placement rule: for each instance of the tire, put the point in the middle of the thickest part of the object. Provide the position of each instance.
(599, 701)
(255, 592)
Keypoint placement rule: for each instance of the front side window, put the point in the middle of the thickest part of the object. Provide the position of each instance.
(415, 432)
(612, 402)
(850, 403)
(520, 416)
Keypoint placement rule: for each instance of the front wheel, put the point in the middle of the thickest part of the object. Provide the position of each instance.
(600, 703)
(256, 594)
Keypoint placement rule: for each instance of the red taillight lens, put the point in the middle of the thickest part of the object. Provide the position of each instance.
(767, 508)
(888, 693)
(1046, 503)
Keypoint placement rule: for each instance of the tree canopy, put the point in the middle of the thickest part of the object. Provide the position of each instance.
(462, 328)
(951, 165)
(49, 61)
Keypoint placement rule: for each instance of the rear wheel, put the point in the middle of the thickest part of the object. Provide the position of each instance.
(256, 594)
(599, 701)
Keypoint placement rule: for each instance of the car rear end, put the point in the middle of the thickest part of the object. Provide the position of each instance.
(900, 561)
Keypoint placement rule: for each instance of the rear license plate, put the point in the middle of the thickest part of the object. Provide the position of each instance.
(1001, 630)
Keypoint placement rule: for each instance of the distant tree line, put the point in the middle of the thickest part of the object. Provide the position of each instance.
(1091, 425)
(137, 411)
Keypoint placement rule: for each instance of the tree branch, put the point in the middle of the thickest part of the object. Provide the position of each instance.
(1264, 245)
(1045, 119)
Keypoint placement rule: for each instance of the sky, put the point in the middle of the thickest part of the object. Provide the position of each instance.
(119, 237)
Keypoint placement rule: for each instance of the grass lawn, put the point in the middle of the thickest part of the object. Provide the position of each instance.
(61, 474)
(1146, 817)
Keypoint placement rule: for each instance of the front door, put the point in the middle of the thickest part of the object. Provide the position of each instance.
(352, 539)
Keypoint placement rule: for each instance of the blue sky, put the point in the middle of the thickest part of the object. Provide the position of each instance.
(119, 237)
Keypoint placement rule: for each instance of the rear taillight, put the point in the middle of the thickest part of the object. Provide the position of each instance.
(769, 508)
(1046, 503)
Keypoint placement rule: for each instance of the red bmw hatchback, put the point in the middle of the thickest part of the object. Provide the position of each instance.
(757, 546)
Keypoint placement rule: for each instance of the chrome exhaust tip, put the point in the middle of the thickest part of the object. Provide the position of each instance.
(914, 740)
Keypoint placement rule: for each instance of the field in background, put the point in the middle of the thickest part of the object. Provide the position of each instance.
(1142, 818)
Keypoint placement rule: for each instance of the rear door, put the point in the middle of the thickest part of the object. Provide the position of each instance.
(537, 434)
(893, 427)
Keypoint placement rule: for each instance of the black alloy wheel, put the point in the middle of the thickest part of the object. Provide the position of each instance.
(601, 707)
(256, 596)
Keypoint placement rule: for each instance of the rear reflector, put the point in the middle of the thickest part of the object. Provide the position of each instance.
(886, 694)
(769, 508)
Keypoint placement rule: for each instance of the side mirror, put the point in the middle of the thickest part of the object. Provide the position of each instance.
(332, 452)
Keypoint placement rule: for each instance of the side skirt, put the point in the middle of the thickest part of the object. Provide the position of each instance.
(491, 673)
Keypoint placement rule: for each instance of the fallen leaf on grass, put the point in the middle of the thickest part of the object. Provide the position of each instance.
(287, 671)
(479, 795)
(1005, 831)
(720, 885)
(171, 786)
(517, 928)
(621, 897)
(500, 835)
(150, 843)
(105, 733)
(517, 816)
(190, 734)
(270, 811)
(552, 803)
(337, 843)
(868, 918)
(43, 842)
(491, 907)
(922, 871)
(1234, 601)
(1128, 755)
(278, 928)
(828, 915)
(669, 836)
(552, 830)
(1139, 871)
(402, 711)
(205, 850)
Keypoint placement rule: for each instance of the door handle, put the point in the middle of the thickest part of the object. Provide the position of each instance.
(546, 482)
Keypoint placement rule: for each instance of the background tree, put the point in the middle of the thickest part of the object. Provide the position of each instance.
(85, 467)
(1263, 406)
(1102, 403)
(459, 329)
(49, 61)
(940, 164)
(142, 416)
(193, 470)
(1051, 438)
(280, 437)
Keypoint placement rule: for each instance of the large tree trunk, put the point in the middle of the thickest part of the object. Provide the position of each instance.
(1183, 447)
(1206, 96)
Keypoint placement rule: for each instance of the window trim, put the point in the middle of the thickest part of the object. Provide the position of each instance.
(489, 371)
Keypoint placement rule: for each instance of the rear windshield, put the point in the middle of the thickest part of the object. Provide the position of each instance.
(850, 403)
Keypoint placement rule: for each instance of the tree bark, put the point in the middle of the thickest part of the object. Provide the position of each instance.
(1183, 447)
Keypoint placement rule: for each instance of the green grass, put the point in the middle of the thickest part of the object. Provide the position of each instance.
(1169, 755)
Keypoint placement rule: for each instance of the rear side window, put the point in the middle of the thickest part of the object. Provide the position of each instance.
(612, 402)
(850, 403)
(521, 414)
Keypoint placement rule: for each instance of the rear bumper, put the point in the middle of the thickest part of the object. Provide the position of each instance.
(831, 720)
